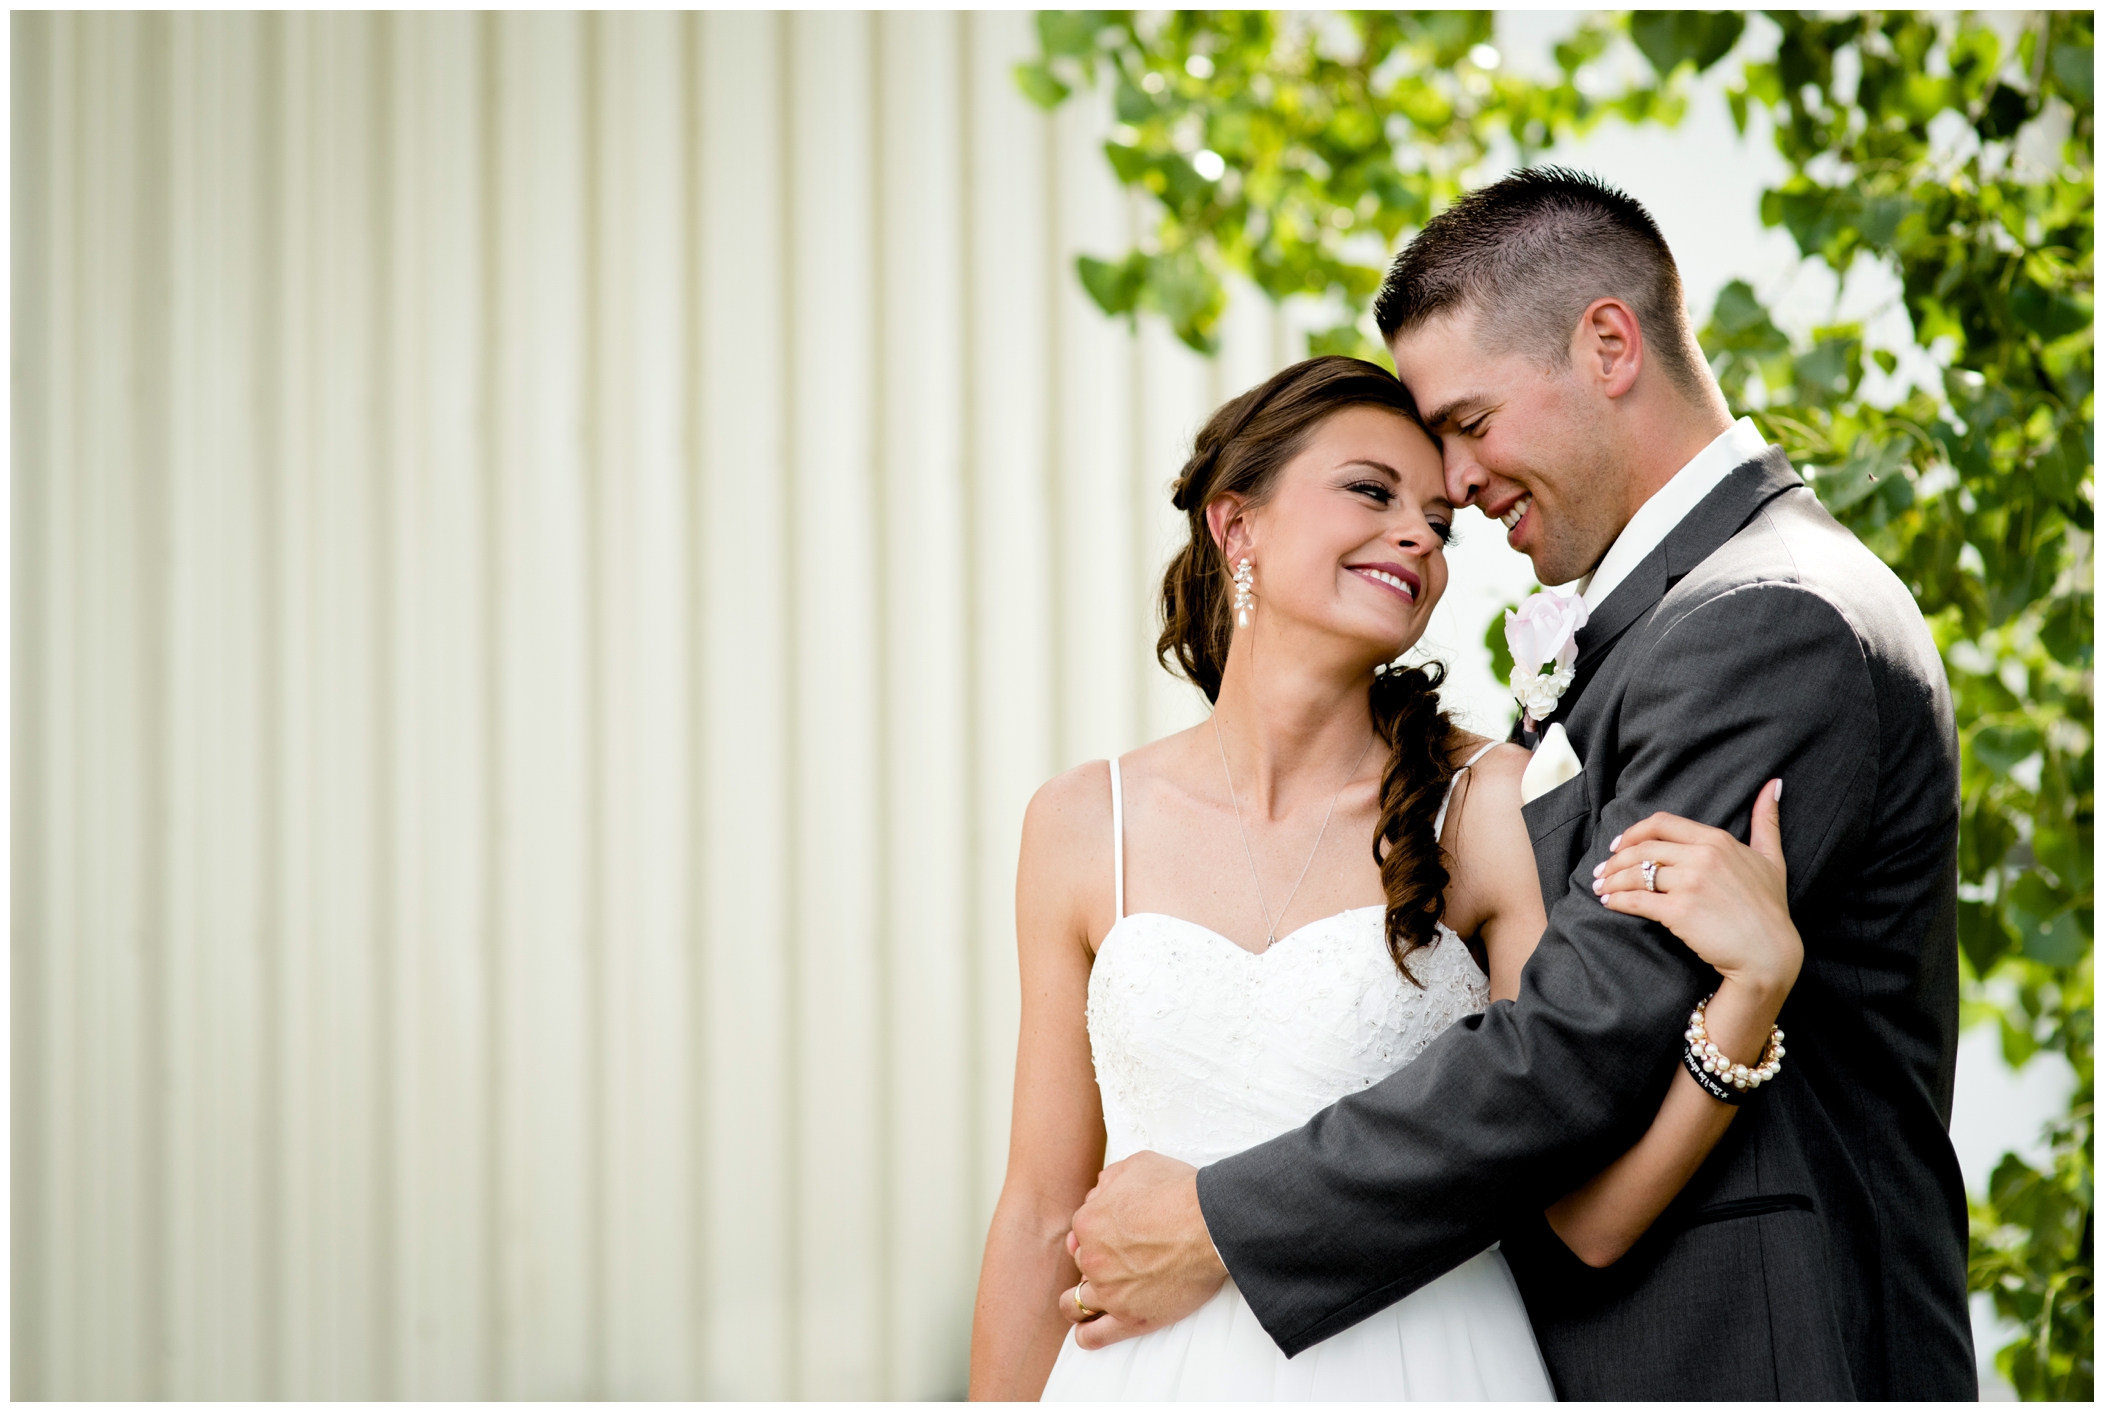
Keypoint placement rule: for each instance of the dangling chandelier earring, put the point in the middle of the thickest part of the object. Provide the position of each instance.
(1243, 598)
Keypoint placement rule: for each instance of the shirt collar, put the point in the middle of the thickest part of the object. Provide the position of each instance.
(1669, 505)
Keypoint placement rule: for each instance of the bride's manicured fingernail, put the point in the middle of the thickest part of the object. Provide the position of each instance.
(1599, 886)
(1599, 868)
(1614, 844)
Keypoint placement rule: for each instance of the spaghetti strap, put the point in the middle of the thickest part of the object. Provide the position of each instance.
(1117, 840)
(1438, 820)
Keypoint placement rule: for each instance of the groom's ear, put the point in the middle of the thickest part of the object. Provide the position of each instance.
(1608, 346)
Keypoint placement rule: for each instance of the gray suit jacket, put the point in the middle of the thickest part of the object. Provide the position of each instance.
(1820, 1252)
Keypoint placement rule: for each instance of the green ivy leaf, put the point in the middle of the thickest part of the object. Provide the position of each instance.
(1073, 33)
(1348, 341)
(2002, 747)
(2006, 110)
(1500, 650)
(1182, 289)
(2044, 921)
(1670, 38)
(1869, 464)
(1115, 287)
(2075, 67)
(1982, 935)
(2049, 313)
(1039, 86)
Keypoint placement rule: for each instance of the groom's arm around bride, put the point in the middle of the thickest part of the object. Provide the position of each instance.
(1820, 1251)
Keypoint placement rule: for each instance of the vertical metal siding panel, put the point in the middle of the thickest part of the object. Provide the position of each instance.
(296, 802)
(923, 529)
(1099, 653)
(33, 291)
(1014, 685)
(152, 411)
(743, 544)
(1173, 405)
(440, 1171)
(1246, 345)
(335, 1112)
(692, 783)
(214, 998)
(642, 629)
(545, 1165)
(500, 1204)
(839, 1241)
(273, 444)
(459, 689)
(113, 704)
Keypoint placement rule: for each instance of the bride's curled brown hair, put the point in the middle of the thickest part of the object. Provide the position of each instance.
(1241, 450)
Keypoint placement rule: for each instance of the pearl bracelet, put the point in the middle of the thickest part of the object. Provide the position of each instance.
(1720, 1078)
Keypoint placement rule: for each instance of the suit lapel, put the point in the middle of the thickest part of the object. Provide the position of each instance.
(1720, 515)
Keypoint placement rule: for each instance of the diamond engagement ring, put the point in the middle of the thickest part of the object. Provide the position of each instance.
(1650, 871)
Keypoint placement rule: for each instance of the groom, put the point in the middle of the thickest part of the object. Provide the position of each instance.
(1737, 633)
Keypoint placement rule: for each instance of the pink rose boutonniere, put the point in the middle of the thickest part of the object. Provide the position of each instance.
(1543, 636)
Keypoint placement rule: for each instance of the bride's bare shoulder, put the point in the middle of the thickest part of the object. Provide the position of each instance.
(1069, 809)
(1063, 876)
(1499, 771)
(1077, 803)
(1485, 834)
(1486, 807)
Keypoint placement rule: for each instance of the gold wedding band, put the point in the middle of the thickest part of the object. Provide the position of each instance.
(1650, 871)
(1086, 1312)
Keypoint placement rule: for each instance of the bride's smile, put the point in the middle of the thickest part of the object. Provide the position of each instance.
(1393, 577)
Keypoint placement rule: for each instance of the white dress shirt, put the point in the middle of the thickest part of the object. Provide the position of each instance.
(1669, 505)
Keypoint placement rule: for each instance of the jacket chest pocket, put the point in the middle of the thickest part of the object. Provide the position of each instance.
(1560, 825)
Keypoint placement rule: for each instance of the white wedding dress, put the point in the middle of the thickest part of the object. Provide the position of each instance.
(1204, 1048)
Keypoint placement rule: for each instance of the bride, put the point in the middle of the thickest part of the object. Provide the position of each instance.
(1230, 928)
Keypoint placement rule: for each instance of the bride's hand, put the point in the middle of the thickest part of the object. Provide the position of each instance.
(1728, 901)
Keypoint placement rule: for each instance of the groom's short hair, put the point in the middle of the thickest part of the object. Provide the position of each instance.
(1528, 253)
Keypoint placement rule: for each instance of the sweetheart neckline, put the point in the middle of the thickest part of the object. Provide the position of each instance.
(1104, 945)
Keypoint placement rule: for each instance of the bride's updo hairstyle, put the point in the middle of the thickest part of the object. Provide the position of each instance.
(1241, 450)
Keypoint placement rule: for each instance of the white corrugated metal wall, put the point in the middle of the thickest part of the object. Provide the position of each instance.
(550, 553)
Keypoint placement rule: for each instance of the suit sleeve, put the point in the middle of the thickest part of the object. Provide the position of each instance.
(1389, 1188)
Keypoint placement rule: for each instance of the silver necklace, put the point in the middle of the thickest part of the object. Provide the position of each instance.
(1271, 924)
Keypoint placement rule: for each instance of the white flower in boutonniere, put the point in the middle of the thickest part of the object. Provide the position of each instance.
(1543, 636)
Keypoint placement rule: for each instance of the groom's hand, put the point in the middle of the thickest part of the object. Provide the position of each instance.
(1141, 1243)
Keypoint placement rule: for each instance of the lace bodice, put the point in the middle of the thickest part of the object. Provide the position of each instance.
(1203, 1048)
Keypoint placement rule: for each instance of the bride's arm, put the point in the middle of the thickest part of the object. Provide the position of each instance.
(1055, 1145)
(1492, 894)
(1728, 902)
